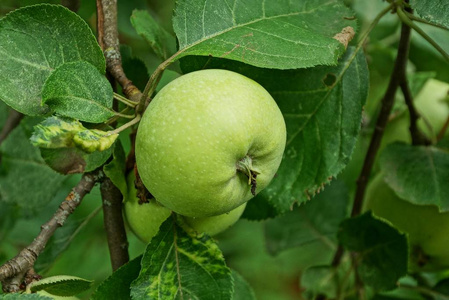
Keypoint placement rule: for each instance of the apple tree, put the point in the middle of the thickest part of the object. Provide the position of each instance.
(224, 149)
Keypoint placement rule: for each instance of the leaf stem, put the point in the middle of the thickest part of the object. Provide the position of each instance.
(152, 83)
(420, 20)
(115, 118)
(340, 251)
(425, 291)
(125, 126)
(124, 100)
(405, 19)
(120, 115)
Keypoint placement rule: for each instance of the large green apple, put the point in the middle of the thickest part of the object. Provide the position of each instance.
(208, 142)
(427, 228)
(146, 218)
(215, 224)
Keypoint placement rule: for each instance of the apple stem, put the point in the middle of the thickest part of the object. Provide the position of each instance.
(245, 165)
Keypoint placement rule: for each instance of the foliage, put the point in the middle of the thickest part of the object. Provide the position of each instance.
(328, 64)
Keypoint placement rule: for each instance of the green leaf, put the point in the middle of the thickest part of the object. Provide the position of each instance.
(442, 287)
(136, 71)
(242, 290)
(178, 266)
(34, 41)
(434, 61)
(417, 174)
(434, 11)
(91, 140)
(79, 91)
(56, 132)
(23, 173)
(320, 281)
(267, 34)
(314, 221)
(162, 43)
(115, 170)
(62, 285)
(382, 251)
(117, 286)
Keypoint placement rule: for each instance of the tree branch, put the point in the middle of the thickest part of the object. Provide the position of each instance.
(417, 137)
(109, 42)
(14, 270)
(73, 5)
(387, 104)
(443, 130)
(13, 120)
(113, 223)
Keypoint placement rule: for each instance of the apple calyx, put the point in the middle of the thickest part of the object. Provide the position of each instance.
(245, 165)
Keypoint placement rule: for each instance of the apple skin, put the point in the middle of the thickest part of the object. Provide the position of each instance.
(213, 225)
(143, 219)
(427, 228)
(193, 135)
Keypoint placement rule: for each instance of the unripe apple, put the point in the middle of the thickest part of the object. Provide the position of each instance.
(146, 218)
(427, 228)
(208, 142)
(213, 225)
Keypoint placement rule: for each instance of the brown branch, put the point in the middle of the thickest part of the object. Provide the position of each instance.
(12, 122)
(338, 256)
(109, 42)
(418, 138)
(443, 130)
(14, 270)
(387, 104)
(113, 223)
(73, 5)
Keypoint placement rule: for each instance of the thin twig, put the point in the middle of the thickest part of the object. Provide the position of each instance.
(14, 270)
(417, 137)
(12, 121)
(124, 100)
(73, 5)
(113, 223)
(405, 19)
(152, 83)
(358, 281)
(125, 126)
(382, 120)
(443, 130)
(340, 251)
(109, 42)
(420, 20)
(424, 291)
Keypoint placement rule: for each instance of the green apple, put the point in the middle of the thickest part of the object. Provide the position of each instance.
(215, 224)
(146, 218)
(208, 142)
(427, 228)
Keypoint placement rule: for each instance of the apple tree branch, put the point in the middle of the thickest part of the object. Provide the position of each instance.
(14, 270)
